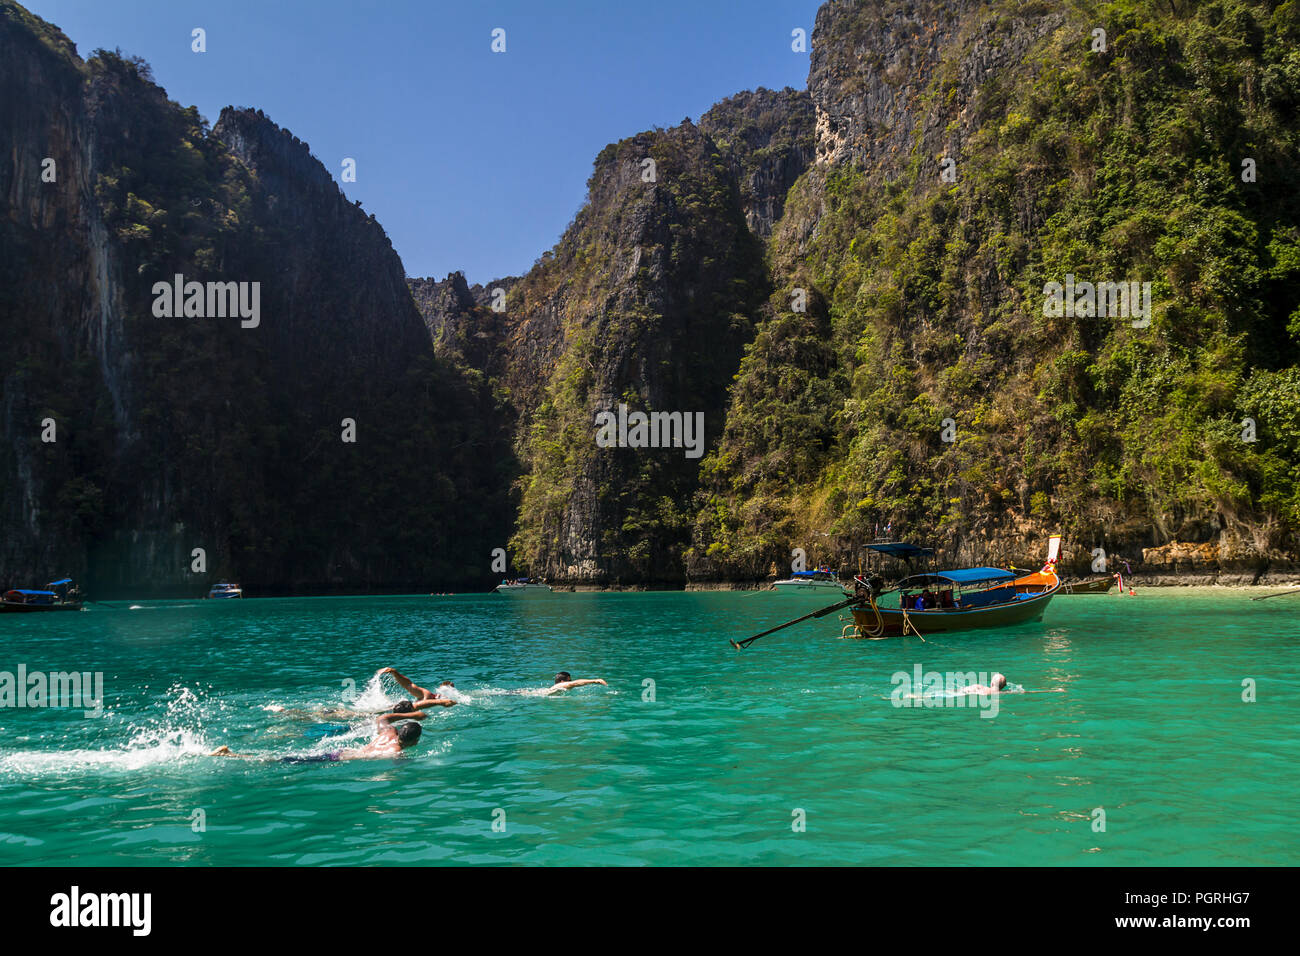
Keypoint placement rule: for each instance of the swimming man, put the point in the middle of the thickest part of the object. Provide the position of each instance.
(564, 681)
(388, 741)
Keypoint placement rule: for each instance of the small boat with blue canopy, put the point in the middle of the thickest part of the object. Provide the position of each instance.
(225, 591)
(58, 595)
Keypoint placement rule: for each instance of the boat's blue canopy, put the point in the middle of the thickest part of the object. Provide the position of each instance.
(30, 592)
(977, 575)
(55, 584)
(966, 576)
(811, 574)
(901, 549)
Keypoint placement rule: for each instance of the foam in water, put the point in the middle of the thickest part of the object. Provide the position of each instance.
(176, 734)
(452, 693)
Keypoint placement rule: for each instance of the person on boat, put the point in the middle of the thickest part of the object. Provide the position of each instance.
(919, 603)
(564, 681)
(389, 741)
(424, 698)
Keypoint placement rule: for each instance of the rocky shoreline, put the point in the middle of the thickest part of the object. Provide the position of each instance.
(1276, 580)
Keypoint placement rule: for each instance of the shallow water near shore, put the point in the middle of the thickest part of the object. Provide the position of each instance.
(1133, 706)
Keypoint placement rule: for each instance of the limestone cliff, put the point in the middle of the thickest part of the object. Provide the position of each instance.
(319, 444)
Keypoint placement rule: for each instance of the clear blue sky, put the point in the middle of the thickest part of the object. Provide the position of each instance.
(471, 160)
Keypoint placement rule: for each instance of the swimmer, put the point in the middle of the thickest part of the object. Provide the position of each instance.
(424, 697)
(996, 685)
(389, 741)
(564, 681)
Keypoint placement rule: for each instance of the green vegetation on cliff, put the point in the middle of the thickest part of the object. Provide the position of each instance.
(1118, 165)
(656, 284)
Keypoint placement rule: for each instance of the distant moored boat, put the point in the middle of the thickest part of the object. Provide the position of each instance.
(1095, 586)
(821, 583)
(522, 586)
(225, 590)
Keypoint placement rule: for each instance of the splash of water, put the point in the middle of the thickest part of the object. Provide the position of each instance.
(176, 733)
(452, 693)
(375, 696)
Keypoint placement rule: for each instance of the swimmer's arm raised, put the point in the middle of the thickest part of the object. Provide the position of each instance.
(434, 702)
(407, 684)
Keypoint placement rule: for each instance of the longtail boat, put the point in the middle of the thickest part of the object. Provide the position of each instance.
(961, 599)
(57, 596)
(940, 601)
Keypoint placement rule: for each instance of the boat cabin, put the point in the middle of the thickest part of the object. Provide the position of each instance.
(959, 589)
(27, 596)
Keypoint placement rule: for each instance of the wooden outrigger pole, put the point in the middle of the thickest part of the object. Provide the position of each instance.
(740, 645)
(1265, 597)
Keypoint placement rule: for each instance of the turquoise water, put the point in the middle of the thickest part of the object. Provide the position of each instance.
(1134, 706)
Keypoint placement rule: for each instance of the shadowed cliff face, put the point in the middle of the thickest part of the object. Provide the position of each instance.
(56, 305)
(770, 137)
(646, 301)
(214, 431)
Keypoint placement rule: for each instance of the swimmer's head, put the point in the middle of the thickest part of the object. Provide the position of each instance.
(563, 676)
(408, 733)
(999, 682)
(403, 707)
(446, 683)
